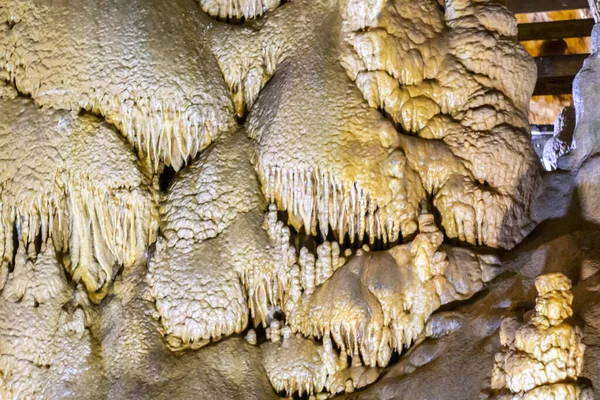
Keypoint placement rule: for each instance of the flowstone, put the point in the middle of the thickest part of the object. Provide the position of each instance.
(375, 304)
(132, 62)
(427, 83)
(46, 349)
(348, 184)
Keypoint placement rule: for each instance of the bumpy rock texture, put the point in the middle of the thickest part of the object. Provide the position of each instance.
(411, 61)
(45, 346)
(562, 141)
(134, 63)
(376, 304)
(544, 357)
(379, 302)
(72, 179)
(177, 174)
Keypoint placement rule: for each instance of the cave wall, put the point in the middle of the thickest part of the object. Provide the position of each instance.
(254, 199)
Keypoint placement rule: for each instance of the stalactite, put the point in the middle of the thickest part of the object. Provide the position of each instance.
(100, 216)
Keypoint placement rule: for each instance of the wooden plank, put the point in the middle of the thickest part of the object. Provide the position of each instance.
(530, 6)
(557, 66)
(554, 86)
(556, 29)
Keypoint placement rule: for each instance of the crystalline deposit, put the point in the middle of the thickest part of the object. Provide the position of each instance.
(45, 344)
(237, 10)
(75, 180)
(144, 66)
(301, 136)
(440, 77)
(379, 302)
(543, 357)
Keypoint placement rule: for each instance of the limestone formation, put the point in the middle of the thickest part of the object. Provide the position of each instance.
(298, 365)
(237, 10)
(212, 242)
(379, 302)
(374, 304)
(134, 63)
(543, 357)
(562, 141)
(231, 199)
(74, 180)
(411, 71)
(205, 282)
(45, 346)
(440, 95)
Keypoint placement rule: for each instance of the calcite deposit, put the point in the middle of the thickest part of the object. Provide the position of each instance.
(134, 63)
(229, 199)
(562, 141)
(237, 10)
(379, 302)
(73, 179)
(544, 357)
(45, 344)
(298, 365)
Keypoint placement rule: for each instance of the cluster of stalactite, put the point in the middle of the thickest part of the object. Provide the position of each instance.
(298, 142)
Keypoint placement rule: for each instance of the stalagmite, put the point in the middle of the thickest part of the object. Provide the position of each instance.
(45, 344)
(328, 261)
(542, 357)
(72, 179)
(145, 67)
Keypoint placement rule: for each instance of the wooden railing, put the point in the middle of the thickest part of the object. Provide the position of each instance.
(555, 72)
(531, 6)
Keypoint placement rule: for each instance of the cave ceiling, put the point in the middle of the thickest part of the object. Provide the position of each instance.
(229, 199)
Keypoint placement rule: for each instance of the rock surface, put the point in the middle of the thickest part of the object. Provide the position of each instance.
(349, 184)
